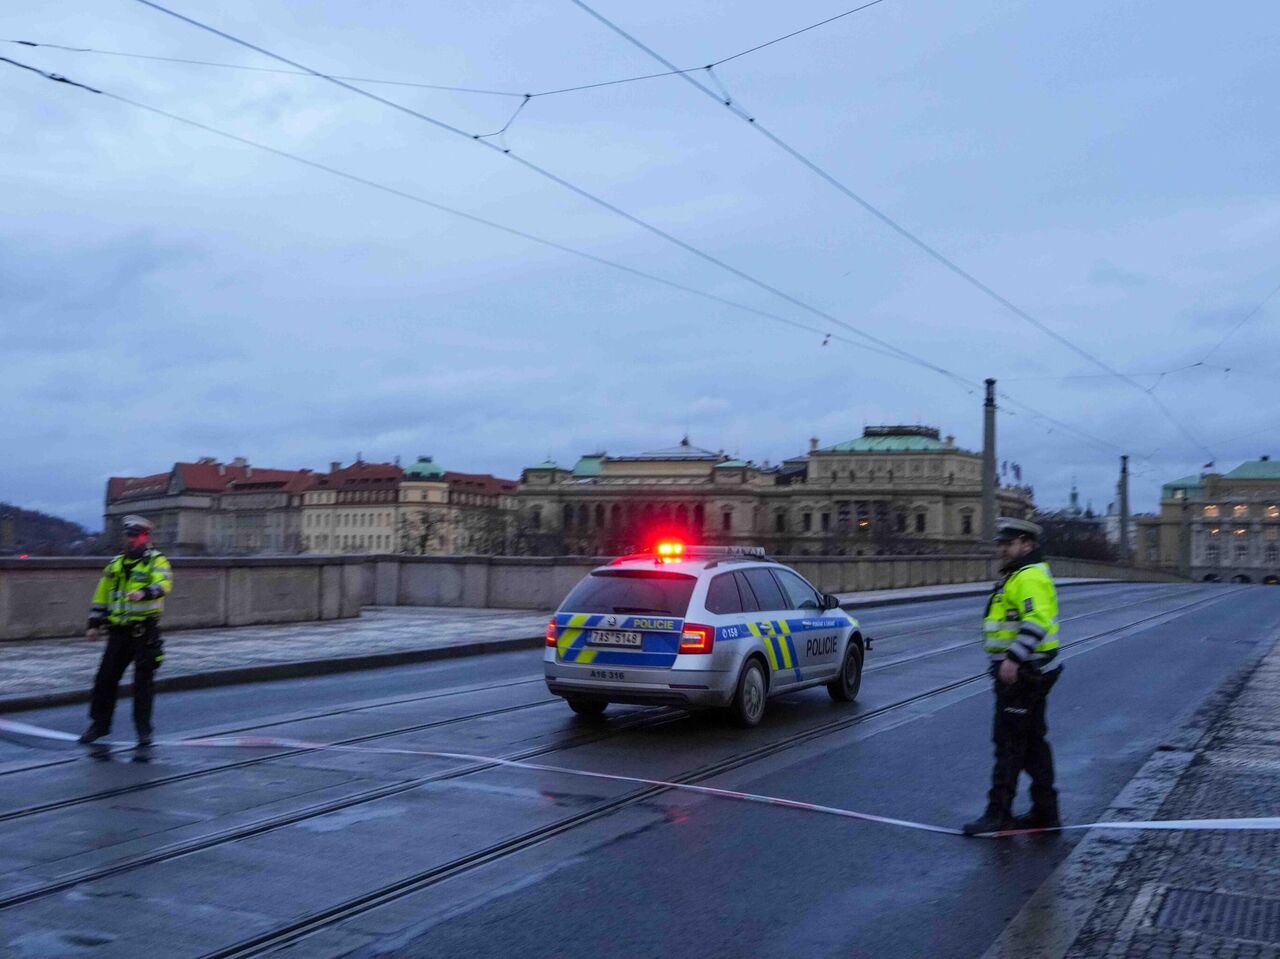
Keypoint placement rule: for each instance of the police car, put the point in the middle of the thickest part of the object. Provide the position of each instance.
(718, 627)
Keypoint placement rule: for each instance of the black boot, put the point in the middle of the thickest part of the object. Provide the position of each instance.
(144, 736)
(93, 733)
(995, 819)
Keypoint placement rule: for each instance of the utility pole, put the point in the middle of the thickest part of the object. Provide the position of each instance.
(1126, 556)
(989, 464)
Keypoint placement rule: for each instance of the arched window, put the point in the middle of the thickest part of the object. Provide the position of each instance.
(615, 515)
(568, 516)
(583, 515)
(599, 515)
(699, 516)
(682, 515)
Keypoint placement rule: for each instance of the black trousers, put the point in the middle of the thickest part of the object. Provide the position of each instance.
(137, 643)
(1019, 735)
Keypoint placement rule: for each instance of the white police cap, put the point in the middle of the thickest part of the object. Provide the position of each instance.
(1008, 528)
(133, 521)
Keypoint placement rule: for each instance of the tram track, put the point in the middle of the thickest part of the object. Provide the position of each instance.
(307, 924)
(299, 929)
(135, 788)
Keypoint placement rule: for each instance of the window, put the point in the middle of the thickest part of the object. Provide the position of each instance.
(1239, 510)
(826, 522)
(1273, 555)
(1273, 512)
(799, 594)
(1211, 511)
(1271, 533)
(535, 519)
(768, 595)
(966, 524)
(1212, 554)
(568, 516)
(1242, 551)
(806, 522)
(599, 515)
(726, 521)
(722, 595)
(749, 603)
(779, 522)
(900, 522)
(632, 591)
(919, 522)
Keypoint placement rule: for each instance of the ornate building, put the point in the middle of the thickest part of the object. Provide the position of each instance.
(895, 489)
(1217, 526)
(234, 509)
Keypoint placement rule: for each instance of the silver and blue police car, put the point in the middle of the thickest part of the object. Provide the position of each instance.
(715, 627)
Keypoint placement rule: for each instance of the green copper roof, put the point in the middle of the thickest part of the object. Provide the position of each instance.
(1193, 482)
(546, 465)
(732, 463)
(1256, 469)
(588, 466)
(425, 469)
(888, 444)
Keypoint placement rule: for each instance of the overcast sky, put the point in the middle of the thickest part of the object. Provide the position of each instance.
(1107, 165)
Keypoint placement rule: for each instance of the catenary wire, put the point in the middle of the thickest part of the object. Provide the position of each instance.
(403, 194)
(1247, 317)
(415, 198)
(894, 225)
(452, 89)
(568, 185)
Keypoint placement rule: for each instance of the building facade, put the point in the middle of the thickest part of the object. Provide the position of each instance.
(1217, 527)
(234, 509)
(894, 490)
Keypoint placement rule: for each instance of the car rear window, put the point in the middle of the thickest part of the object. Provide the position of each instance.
(631, 591)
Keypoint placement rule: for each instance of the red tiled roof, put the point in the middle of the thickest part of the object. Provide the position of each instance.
(480, 483)
(362, 476)
(134, 487)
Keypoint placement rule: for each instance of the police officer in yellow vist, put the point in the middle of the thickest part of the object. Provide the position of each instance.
(1021, 638)
(128, 601)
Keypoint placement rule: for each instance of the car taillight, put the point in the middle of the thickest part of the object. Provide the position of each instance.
(551, 633)
(697, 639)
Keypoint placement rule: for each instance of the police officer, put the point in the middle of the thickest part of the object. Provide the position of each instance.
(1021, 631)
(129, 600)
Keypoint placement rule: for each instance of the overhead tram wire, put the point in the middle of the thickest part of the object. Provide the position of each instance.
(888, 221)
(970, 385)
(1235, 329)
(452, 89)
(573, 188)
(471, 217)
(657, 231)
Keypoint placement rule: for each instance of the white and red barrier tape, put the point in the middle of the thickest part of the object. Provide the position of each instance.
(11, 727)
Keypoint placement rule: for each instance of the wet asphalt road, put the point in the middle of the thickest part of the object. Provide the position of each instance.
(229, 845)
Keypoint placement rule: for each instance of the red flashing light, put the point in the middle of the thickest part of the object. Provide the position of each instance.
(697, 639)
(24, 556)
(552, 633)
(670, 551)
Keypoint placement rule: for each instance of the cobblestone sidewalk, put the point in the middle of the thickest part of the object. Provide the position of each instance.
(1210, 894)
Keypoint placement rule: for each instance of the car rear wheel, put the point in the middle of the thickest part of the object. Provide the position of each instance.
(592, 708)
(844, 688)
(748, 702)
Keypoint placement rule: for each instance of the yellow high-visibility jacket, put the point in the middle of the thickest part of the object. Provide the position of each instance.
(1022, 616)
(150, 573)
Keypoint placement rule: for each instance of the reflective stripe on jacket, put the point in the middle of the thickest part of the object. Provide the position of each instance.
(150, 573)
(1022, 616)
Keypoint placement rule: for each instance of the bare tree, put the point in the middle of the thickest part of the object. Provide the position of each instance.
(418, 533)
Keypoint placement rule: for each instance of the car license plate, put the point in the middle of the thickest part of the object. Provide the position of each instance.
(612, 637)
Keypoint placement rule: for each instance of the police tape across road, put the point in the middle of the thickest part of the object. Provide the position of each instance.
(12, 728)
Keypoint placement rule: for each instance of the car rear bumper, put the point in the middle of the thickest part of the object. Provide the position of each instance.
(641, 687)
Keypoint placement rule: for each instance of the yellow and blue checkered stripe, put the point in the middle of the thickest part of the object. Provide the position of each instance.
(775, 634)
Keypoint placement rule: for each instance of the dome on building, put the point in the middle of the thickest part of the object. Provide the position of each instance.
(425, 469)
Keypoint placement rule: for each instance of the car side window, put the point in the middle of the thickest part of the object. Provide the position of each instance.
(749, 602)
(722, 595)
(768, 595)
(800, 595)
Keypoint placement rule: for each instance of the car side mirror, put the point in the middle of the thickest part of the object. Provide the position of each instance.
(830, 601)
